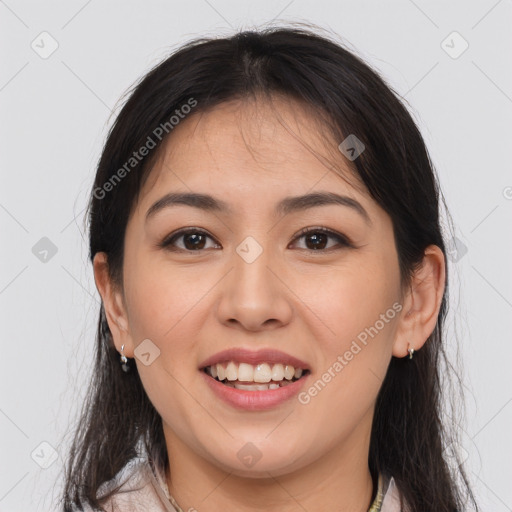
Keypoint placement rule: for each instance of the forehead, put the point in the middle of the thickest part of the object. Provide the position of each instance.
(253, 147)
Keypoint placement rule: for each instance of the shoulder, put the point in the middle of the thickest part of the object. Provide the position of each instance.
(139, 490)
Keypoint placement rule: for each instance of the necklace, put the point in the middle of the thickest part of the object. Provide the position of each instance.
(174, 504)
(169, 497)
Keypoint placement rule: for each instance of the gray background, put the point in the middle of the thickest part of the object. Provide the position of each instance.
(55, 113)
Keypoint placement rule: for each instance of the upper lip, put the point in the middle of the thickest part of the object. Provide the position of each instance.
(242, 355)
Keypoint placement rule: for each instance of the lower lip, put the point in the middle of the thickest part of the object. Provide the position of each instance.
(254, 400)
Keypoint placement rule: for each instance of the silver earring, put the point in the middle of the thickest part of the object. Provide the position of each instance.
(124, 361)
(411, 352)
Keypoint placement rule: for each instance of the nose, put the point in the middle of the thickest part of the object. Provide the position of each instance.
(254, 297)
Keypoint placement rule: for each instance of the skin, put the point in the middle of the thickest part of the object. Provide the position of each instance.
(309, 303)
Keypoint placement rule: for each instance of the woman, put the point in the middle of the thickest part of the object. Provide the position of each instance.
(265, 237)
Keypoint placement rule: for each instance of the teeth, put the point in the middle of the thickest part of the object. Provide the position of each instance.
(289, 372)
(262, 373)
(245, 372)
(257, 387)
(253, 387)
(231, 371)
(278, 372)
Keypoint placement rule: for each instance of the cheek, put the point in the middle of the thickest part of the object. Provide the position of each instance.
(164, 306)
(360, 306)
(161, 296)
(350, 299)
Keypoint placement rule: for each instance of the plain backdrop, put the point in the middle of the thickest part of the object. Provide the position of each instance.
(65, 65)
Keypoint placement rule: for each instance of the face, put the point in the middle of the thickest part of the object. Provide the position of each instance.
(317, 281)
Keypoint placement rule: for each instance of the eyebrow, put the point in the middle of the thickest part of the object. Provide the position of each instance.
(285, 206)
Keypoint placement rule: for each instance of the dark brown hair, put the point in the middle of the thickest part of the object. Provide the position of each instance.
(409, 433)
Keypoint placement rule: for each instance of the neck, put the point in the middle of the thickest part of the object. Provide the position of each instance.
(339, 481)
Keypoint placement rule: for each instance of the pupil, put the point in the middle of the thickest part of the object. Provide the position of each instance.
(318, 239)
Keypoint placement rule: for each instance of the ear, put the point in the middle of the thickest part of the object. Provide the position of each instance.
(421, 303)
(114, 305)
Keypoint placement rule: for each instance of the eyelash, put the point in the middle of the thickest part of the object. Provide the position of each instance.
(342, 240)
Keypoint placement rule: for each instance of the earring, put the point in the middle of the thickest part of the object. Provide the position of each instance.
(411, 352)
(124, 361)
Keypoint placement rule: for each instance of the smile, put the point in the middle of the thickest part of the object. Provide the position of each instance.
(259, 377)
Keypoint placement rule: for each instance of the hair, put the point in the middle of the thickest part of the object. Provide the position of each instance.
(409, 433)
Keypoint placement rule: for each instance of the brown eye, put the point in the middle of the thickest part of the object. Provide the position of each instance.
(317, 239)
(192, 240)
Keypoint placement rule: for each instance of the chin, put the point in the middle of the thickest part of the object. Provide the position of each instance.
(254, 461)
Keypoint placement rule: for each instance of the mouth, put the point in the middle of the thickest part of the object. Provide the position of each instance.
(255, 377)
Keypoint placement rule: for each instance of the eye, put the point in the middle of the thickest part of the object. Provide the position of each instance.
(317, 238)
(193, 240)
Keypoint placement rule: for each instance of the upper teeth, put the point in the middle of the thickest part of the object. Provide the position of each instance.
(245, 372)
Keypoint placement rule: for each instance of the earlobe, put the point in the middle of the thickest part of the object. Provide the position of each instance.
(421, 303)
(113, 304)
